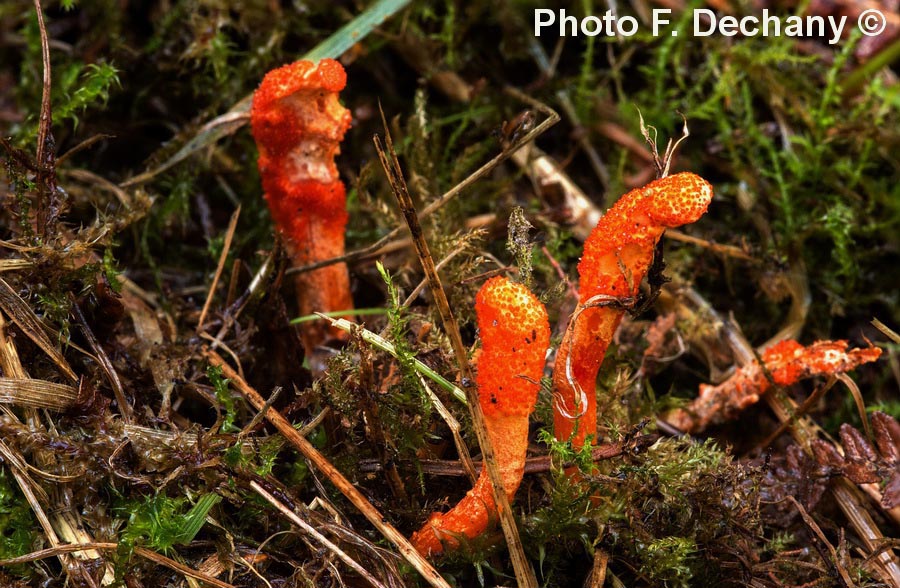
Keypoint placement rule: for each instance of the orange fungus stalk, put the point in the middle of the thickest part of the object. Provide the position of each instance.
(617, 255)
(298, 125)
(787, 362)
(515, 335)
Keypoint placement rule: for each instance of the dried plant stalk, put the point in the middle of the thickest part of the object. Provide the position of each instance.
(37, 393)
(524, 573)
(326, 467)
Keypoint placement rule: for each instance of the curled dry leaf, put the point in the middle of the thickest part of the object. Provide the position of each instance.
(864, 463)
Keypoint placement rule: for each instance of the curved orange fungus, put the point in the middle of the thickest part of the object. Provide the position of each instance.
(515, 335)
(298, 125)
(617, 255)
(787, 362)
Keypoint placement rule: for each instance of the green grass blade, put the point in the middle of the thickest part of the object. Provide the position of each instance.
(342, 39)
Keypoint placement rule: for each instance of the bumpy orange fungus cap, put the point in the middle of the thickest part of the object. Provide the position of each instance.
(627, 234)
(617, 255)
(515, 334)
(298, 124)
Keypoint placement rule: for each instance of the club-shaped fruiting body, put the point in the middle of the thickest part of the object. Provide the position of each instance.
(298, 124)
(515, 335)
(617, 255)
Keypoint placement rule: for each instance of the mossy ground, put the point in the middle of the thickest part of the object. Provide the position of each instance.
(800, 140)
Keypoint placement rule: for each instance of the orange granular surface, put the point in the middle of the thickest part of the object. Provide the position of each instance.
(617, 255)
(787, 362)
(515, 335)
(298, 124)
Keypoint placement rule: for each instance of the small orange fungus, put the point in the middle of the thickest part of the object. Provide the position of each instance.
(617, 255)
(787, 362)
(298, 124)
(515, 335)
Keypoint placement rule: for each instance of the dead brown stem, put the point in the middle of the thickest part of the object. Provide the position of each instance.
(332, 473)
(524, 573)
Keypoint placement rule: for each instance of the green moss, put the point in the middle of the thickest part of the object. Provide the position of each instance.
(17, 525)
(160, 522)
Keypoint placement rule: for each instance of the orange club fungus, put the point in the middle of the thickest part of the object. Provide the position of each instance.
(617, 256)
(515, 335)
(298, 124)
(787, 362)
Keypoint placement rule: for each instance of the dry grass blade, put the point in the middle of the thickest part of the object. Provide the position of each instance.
(464, 458)
(332, 473)
(524, 574)
(55, 551)
(851, 501)
(181, 568)
(890, 333)
(823, 542)
(308, 529)
(108, 369)
(226, 247)
(37, 393)
(63, 523)
(21, 314)
(388, 347)
(552, 119)
(9, 265)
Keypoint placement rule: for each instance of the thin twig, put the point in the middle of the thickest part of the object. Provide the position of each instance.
(332, 473)
(84, 145)
(226, 247)
(309, 530)
(46, 118)
(104, 361)
(47, 208)
(823, 540)
(802, 410)
(524, 574)
(533, 465)
(552, 119)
